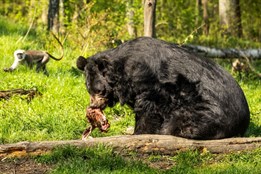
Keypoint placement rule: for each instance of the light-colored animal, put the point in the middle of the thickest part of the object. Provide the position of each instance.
(34, 57)
(31, 58)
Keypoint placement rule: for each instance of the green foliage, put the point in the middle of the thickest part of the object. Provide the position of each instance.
(180, 24)
(95, 25)
(9, 28)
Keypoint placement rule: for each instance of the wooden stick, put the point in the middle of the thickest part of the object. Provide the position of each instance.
(8, 93)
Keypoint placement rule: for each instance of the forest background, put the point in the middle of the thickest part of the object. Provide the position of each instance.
(86, 27)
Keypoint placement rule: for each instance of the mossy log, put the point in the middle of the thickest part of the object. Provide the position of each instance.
(228, 53)
(146, 144)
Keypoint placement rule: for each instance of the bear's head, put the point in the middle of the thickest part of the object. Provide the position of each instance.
(96, 80)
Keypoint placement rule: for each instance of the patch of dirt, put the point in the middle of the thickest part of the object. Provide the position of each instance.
(163, 162)
(27, 165)
(23, 166)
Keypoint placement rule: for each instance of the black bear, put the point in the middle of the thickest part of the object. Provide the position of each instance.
(171, 90)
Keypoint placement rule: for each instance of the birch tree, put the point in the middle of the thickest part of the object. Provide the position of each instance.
(149, 17)
(130, 21)
(230, 17)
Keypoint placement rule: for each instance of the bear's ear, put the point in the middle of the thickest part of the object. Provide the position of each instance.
(81, 63)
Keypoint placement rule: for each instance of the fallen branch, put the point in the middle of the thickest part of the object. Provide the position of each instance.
(146, 144)
(224, 53)
(9, 93)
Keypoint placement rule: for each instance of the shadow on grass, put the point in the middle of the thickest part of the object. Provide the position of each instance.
(75, 72)
(253, 130)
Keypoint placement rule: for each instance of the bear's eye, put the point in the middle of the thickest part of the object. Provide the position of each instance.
(100, 91)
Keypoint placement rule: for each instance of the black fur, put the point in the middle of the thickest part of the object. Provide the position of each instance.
(171, 90)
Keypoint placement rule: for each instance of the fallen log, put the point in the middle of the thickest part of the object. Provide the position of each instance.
(31, 93)
(231, 53)
(144, 144)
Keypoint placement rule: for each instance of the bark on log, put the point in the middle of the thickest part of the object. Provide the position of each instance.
(146, 144)
(224, 53)
(9, 93)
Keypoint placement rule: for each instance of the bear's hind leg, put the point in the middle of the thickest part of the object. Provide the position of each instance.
(147, 124)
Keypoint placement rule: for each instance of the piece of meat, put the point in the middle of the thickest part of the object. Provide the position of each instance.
(97, 119)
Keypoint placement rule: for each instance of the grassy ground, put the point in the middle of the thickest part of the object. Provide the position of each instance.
(104, 160)
(59, 114)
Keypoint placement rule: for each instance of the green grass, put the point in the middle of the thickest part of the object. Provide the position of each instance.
(59, 114)
(252, 90)
(95, 160)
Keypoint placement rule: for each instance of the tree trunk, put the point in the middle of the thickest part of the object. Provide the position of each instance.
(205, 17)
(44, 15)
(149, 18)
(202, 13)
(53, 16)
(145, 144)
(230, 17)
(130, 21)
(238, 24)
(198, 12)
(62, 17)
